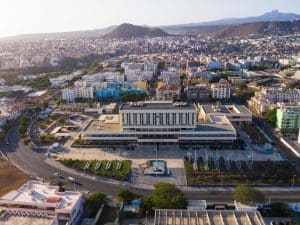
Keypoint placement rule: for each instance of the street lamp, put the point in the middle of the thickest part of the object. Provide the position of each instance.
(146, 217)
(293, 181)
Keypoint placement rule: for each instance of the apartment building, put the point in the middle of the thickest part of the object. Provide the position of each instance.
(70, 94)
(268, 98)
(221, 90)
(197, 93)
(288, 116)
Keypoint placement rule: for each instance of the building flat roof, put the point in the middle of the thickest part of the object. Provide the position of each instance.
(225, 109)
(105, 123)
(36, 192)
(215, 217)
(165, 105)
(25, 220)
(214, 127)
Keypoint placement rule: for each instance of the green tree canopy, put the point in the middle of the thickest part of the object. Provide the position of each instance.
(126, 196)
(248, 195)
(93, 202)
(271, 116)
(168, 196)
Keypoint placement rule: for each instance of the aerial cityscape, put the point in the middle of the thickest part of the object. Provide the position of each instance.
(140, 112)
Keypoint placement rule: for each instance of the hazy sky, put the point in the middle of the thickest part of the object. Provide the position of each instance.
(32, 16)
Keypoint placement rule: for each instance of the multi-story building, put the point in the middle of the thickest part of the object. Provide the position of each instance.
(221, 90)
(279, 95)
(234, 113)
(159, 122)
(166, 92)
(70, 94)
(197, 93)
(214, 65)
(37, 199)
(268, 98)
(10, 109)
(288, 117)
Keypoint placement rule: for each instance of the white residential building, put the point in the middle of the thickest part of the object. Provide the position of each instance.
(221, 90)
(38, 199)
(69, 95)
(170, 78)
(268, 98)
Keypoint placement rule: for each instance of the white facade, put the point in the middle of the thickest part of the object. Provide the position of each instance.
(40, 199)
(69, 95)
(234, 113)
(221, 90)
(161, 122)
(170, 78)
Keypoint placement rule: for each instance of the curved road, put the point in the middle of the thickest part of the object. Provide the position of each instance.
(34, 163)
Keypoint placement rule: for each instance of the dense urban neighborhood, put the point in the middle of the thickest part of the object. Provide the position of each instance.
(143, 125)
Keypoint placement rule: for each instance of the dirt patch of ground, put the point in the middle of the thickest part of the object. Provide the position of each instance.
(11, 178)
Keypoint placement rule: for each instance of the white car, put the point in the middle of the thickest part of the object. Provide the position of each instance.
(71, 179)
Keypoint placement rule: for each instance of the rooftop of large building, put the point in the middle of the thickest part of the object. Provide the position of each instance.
(36, 192)
(157, 105)
(216, 217)
(215, 127)
(225, 109)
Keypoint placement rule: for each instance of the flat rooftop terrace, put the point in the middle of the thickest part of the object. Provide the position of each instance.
(36, 192)
(214, 127)
(25, 220)
(157, 106)
(105, 123)
(212, 217)
(225, 109)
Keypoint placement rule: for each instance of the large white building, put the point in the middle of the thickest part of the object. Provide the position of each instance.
(139, 71)
(37, 199)
(221, 90)
(70, 94)
(234, 113)
(159, 122)
(268, 98)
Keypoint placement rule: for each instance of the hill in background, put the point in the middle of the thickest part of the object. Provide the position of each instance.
(127, 31)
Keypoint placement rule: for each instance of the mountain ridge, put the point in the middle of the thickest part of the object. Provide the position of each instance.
(127, 31)
(210, 27)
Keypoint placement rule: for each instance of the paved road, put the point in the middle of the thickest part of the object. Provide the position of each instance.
(34, 163)
(283, 150)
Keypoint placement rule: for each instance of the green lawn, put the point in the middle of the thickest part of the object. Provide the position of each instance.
(113, 172)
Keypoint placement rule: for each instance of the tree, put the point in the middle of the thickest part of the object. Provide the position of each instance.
(126, 196)
(271, 116)
(168, 196)
(93, 202)
(248, 195)
(161, 65)
(147, 204)
(241, 86)
(280, 209)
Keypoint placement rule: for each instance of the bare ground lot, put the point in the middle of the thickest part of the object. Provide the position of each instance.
(11, 178)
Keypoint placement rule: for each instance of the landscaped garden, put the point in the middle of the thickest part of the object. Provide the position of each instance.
(117, 169)
(240, 172)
